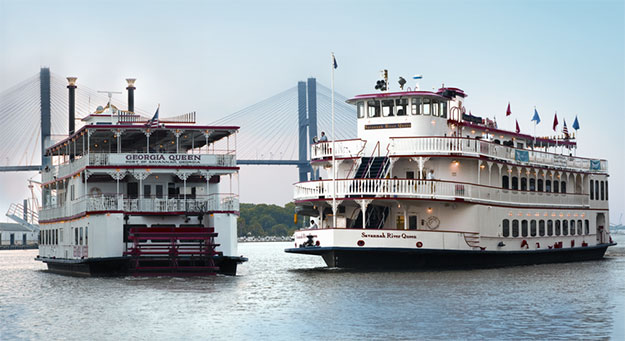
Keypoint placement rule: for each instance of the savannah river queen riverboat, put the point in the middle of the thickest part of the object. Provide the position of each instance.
(427, 185)
(130, 195)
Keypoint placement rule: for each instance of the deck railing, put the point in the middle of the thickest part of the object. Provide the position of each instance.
(219, 202)
(433, 189)
(344, 149)
(405, 146)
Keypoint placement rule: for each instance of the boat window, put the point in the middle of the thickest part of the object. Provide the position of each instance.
(504, 182)
(75, 236)
(425, 106)
(524, 228)
(547, 185)
(606, 190)
(550, 227)
(572, 227)
(443, 112)
(532, 185)
(412, 222)
(159, 191)
(541, 228)
(565, 227)
(592, 190)
(387, 108)
(56, 236)
(586, 227)
(533, 228)
(81, 236)
(61, 235)
(562, 186)
(579, 227)
(373, 108)
(86, 235)
(415, 104)
(506, 228)
(435, 108)
(558, 229)
(361, 109)
(540, 185)
(515, 228)
(556, 186)
(515, 182)
(524, 184)
(402, 106)
(602, 191)
(597, 190)
(147, 191)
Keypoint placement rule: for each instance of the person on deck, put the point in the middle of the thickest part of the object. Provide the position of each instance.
(323, 137)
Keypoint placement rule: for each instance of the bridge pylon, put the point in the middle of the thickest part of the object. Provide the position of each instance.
(307, 122)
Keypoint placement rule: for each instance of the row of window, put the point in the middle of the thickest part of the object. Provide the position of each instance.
(598, 187)
(55, 236)
(553, 228)
(532, 185)
(401, 106)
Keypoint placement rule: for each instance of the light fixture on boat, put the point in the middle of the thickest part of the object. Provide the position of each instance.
(429, 210)
(482, 166)
(455, 162)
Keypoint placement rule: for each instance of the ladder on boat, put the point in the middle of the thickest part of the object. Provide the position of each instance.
(472, 239)
(172, 251)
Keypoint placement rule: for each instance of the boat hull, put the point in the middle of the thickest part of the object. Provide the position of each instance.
(400, 258)
(122, 266)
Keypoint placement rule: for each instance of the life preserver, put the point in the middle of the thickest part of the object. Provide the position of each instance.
(433, 222)
(419, 244)
(361, 243)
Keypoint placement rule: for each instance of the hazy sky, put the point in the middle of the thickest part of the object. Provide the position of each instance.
(219, 57)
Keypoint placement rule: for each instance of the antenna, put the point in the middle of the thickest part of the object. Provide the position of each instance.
(110, 93)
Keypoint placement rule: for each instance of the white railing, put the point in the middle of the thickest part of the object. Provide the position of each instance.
(344, 149)
(432, 189)
(402, 146)
(138, 159)
(218, 202)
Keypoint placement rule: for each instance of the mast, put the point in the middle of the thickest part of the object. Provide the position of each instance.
(333, 65)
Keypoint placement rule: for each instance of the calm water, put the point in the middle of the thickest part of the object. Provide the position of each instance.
(284, 296)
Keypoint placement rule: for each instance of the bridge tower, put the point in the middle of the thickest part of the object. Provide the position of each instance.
(44, 92)
(307, 122)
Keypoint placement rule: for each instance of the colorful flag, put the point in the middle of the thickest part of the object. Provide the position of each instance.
(508, 112)
(565, 130)
(154, 123)
(576, 123)
(536, 118)
(555, 122)
(518, 129)
(334, 61)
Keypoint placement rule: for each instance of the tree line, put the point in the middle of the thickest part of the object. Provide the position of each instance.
(267, 220)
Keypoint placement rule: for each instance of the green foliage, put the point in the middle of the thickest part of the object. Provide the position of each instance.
(266, 220)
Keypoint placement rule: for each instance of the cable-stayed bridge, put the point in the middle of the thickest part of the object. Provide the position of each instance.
(275, 131)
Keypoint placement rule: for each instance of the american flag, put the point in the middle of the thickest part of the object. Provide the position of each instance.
(565, 130)
(154, 123)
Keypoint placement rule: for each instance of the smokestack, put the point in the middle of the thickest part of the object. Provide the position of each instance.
(131, 94)
(72, 103)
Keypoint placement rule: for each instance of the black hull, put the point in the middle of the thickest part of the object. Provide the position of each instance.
(122, 266)
(398, 259)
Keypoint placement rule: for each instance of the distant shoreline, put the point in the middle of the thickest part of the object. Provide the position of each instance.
(264, 239)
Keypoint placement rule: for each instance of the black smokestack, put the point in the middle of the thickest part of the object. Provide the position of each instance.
(131, 94)
(72, 103)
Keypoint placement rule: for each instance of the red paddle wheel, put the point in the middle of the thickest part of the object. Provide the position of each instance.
(172, 251)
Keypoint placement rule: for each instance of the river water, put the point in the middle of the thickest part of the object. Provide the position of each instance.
(280, 296)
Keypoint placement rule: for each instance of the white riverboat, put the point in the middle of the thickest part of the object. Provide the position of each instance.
(129, 195)
(426, 185)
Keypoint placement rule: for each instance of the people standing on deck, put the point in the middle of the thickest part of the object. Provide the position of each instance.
(313, 225)
(323, 137)
(430, 176)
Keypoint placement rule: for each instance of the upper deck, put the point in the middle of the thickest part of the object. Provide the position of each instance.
(427, 123)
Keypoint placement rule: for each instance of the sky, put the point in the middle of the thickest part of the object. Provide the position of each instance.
(220, 57)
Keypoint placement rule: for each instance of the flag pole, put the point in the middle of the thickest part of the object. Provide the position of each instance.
(333, 151)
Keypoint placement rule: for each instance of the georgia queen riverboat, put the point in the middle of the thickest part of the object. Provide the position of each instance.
(128, 195)
(426, 185)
